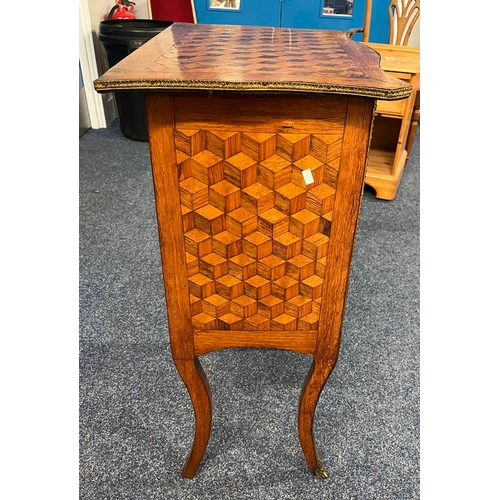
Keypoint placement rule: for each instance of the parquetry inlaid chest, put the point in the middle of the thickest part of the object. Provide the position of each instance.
(259, 139)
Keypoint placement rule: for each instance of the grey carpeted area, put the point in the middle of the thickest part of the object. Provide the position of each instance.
(136, 419)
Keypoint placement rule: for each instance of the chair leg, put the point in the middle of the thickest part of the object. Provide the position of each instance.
(311, 390)
(415, 120)
(196, 382)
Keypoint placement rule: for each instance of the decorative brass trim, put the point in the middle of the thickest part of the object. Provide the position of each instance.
(384, 94)
(319, 470)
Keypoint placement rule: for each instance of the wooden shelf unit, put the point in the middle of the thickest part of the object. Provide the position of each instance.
(391, 142)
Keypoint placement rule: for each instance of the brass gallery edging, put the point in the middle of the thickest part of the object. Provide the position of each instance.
(386, 94)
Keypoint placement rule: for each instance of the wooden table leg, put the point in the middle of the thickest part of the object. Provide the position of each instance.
(348, 200)
(311, 390)
(168, 210)
(196, 382)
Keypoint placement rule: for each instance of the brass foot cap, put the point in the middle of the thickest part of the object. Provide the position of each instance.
(320, 471)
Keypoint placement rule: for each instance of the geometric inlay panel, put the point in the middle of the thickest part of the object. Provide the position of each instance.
(257, 211)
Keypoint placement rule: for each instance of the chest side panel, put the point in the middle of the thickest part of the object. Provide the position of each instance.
(257, 179)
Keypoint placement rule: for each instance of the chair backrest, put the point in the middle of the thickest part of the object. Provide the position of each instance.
(403, 14)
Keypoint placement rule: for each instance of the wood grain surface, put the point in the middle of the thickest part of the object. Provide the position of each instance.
(251, 58)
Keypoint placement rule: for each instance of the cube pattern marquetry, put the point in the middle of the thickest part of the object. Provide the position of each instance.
(255, 234)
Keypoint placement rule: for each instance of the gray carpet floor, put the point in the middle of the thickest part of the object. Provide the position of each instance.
(136, 419)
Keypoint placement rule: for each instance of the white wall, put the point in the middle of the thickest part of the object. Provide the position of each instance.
(101, 106)
(99, 11)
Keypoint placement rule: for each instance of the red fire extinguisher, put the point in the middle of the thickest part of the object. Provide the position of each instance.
(122, 10)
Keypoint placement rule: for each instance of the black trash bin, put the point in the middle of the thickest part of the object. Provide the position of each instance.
(119, 39)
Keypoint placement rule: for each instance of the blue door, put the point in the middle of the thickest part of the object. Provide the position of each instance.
(310, 14)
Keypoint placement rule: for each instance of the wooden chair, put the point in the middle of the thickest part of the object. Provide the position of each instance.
(403, 15)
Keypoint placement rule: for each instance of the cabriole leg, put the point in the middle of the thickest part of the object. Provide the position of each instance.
(311, 390)
(196, 382)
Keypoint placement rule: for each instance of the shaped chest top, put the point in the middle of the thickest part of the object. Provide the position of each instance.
(253, 58)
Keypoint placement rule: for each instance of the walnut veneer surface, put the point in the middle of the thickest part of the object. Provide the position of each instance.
(213, 57)
(259, 140)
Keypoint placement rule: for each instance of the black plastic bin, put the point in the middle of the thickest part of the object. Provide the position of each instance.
(119, 39)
